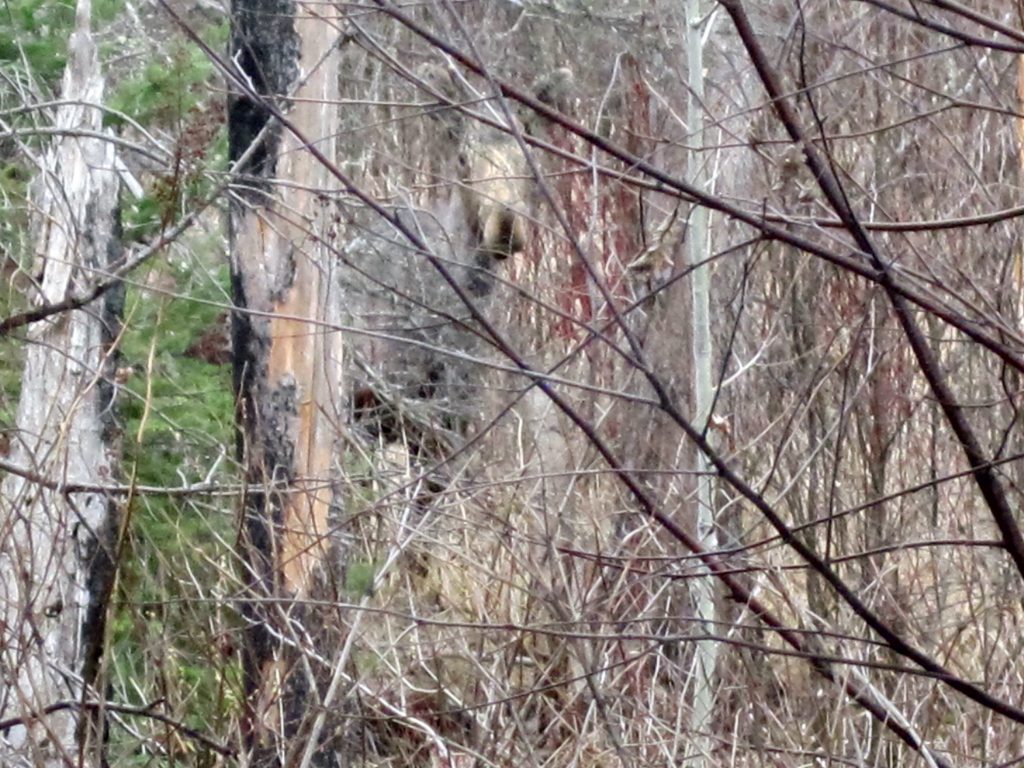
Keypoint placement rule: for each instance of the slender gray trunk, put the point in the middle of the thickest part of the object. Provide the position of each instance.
(697, 251)
(49, 539)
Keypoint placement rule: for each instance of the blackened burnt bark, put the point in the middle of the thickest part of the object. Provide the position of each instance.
(265, 53)
(287, 374)
(102, 545)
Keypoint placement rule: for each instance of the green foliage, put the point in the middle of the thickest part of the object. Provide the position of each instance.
(34, 34)
(14, 204)
(163, 92)
(36, 30)
(13, 232)
(167, 640)
(172, 92)
(189, 400)
(10, 381)
(359, 576)
(141, 219)
(202, 145)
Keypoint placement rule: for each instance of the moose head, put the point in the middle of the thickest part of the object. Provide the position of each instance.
(415, 370)
(492, 172)
(493, 192)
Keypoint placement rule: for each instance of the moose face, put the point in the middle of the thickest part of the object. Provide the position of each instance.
(414, 372)
(492, 171)
(493, 194)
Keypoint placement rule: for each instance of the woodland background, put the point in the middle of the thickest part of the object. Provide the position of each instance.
(723, 466)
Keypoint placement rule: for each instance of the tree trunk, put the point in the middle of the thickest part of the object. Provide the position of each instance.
(55, 544)
(288, 357)
(706, 653)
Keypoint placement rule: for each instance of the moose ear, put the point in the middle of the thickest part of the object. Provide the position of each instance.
(437, 78)
(436, 82)
(555, 89)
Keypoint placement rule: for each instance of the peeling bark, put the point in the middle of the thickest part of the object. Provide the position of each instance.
(55, 547)
(288, 358)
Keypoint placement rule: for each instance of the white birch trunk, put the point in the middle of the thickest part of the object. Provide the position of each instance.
(706, 653)
(46, 536)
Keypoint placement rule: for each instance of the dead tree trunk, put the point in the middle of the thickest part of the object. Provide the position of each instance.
(55, 541)
(288, 358)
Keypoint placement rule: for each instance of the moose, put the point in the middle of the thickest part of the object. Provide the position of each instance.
(414, 353)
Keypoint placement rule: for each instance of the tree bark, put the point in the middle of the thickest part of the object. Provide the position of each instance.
(706, 653)
(288, 362)
(56, 561)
